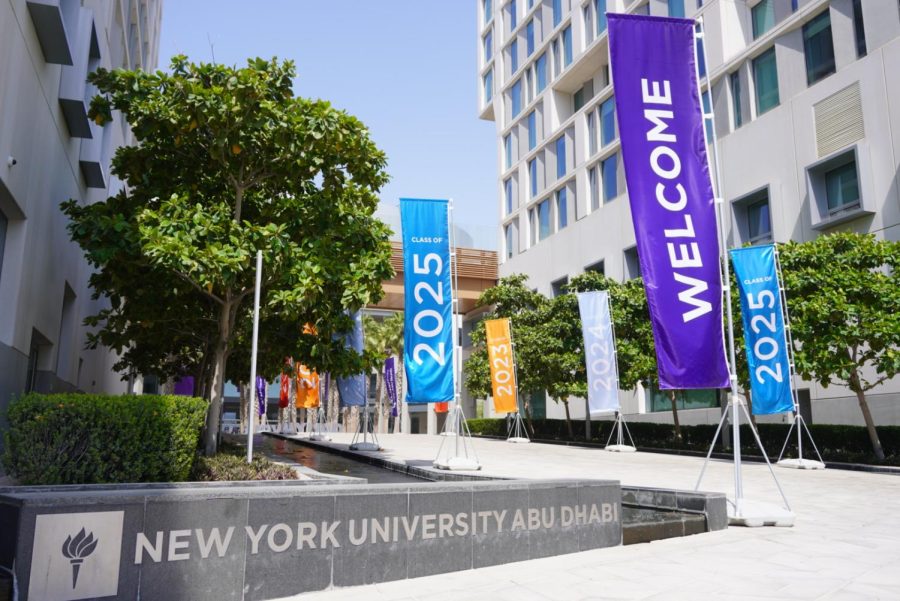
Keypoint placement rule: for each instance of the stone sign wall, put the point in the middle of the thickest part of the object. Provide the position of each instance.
(263, 542)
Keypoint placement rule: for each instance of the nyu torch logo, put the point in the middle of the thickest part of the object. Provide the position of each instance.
(86, 565)
(77, 549)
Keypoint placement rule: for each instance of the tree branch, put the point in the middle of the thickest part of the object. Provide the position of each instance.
(198, 288)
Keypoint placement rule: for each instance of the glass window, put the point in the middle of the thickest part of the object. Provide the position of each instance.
(529, 37)
(508, 235)
(610, 185)
(643, 9)
(592, 132)
(597, 267)
(516, 97)
(735, 79)
(488, 46)
(532, 227)
(794, 4)
(532, 130)
(588, 24)
(701, 59)
(541, 68)
(488, 11)
(859, 30)
(513, 57)
(842, 188)
(759, 226)
(529, 86)
(544, 219)
(507, 150)
(512, 14)
(632, 263)
(818, 47)
(676, 8)
(557, 12)
(684, 399)
(533, 177)
(593, 188)
(489, 86)
(567, 45)
(560, 156)
(562, 214)
(557, 59)
(765, 78)
(558, 287)
(578, 99)
(706, 121)
(507, 193)
(607, 121)
(601, 15)
(763, 17)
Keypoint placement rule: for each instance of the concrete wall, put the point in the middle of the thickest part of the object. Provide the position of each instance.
(44, 291)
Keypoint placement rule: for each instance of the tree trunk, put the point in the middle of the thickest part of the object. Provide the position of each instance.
(217, 396)
(568, 421)
(867, 416)
(242, 395)
(750, 408)
(379, 404)
(675, 415)
(587, 421)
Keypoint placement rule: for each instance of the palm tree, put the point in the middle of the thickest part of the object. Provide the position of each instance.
(384, 338)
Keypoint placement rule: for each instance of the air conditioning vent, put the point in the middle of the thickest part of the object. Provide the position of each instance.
(839, 120)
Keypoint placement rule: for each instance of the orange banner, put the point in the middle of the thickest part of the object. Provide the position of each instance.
(307, 388)
(442, 407)
(500, 358)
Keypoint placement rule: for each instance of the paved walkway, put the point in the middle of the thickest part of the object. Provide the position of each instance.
(845, 543)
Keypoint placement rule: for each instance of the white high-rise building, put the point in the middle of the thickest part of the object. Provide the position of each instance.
(807, 115)
(50, 152)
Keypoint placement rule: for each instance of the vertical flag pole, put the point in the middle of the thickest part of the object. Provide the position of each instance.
(621, 426)
(519, 433)
(798, 417)
(251, 410)
(726, 284)
(760, 514)
(456, 421)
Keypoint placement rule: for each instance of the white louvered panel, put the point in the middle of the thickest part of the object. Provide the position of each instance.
(839, 120)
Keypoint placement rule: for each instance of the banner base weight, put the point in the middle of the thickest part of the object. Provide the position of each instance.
(518, 440)
(754, 514)
(801, 464)
(620, 448)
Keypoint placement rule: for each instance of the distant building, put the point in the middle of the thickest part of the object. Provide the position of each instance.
(50, 152)
(807, 106)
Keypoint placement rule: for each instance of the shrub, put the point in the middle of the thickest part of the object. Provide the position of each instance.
(87, 439)
(225, 466)
(836, 443)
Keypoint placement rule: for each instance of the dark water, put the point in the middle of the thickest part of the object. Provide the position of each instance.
(330, 463)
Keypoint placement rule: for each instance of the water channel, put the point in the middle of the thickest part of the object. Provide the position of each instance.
(331, 463)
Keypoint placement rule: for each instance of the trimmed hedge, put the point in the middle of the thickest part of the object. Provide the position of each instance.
(88, 439)
(848, 444)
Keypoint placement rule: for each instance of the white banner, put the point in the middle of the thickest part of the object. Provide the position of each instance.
(599, 351)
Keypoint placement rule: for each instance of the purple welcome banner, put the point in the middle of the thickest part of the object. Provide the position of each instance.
(672, 205)
(390, 382)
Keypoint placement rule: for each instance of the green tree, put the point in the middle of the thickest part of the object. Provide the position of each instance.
(524, 307)
(843, 294)
(384, 338)
(229, 162)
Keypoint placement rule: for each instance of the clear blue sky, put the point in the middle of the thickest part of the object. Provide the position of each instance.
(406, 68)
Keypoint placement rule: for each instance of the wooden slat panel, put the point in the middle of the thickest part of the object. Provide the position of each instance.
(482, 264)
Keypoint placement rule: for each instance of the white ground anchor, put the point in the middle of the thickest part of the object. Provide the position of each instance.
(620, 428)
(319, 432)
(457, 451)
(742, 512)
(800, 463)
(369, 440)
(517, 432)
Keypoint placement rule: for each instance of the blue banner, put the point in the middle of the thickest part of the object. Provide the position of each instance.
(427, 333)
(599, 351)
(353, 388)
(671, 197)
(763, 319)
